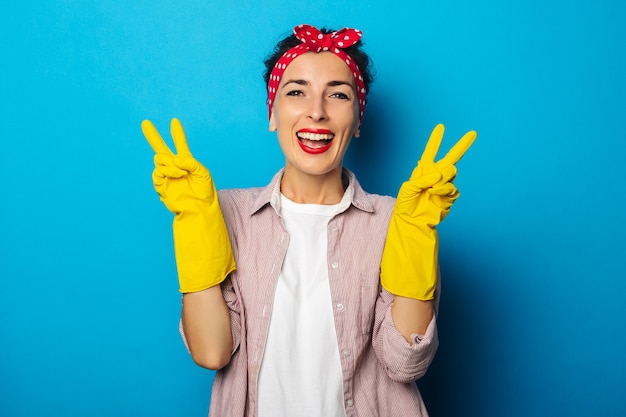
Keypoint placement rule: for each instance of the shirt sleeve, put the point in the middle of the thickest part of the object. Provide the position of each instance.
(232, 301)
(403, 361)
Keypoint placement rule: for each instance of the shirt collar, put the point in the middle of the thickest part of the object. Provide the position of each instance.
(354, 195)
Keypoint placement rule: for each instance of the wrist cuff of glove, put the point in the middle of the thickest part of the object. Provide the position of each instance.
(416, 292)
(193, 281)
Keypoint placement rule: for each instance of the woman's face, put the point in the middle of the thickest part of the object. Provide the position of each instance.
(315, 113)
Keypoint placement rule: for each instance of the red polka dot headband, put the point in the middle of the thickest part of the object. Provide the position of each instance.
(315, 41)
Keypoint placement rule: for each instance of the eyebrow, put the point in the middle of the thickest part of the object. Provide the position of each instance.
(329, 84)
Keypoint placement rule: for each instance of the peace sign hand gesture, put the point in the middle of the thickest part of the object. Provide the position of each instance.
(179, 179)
(203, 252)
(409, 263)
(429, 193)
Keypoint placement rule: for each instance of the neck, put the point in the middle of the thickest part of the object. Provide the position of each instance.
(313, 189)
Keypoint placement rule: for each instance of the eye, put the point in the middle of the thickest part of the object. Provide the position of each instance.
(294, 93)
(340, 95)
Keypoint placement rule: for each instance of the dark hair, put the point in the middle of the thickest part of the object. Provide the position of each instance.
(355, 51)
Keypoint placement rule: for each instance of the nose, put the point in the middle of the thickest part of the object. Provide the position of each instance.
(317, 111)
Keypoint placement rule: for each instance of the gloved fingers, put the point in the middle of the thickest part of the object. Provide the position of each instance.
(167, 171)
(448, 190)
(455, 154)
(165, 166)
(189, 164)
(180, 140)
(432, 146)
(155, 140)
(444, 204)
(158, 178)
(448, 173)
(423, 182)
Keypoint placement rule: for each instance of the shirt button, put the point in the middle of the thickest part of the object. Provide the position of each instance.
(346, 353)
(334, 265)
(349, 403)
(334, 229)
(340, 307)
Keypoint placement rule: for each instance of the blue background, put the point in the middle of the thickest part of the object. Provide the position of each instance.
(532, 316)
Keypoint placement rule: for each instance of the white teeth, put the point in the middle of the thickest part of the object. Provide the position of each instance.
(315, 136)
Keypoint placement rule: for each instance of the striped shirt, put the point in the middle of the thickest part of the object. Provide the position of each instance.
(378, 365)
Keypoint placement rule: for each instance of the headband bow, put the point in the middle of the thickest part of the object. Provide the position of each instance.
(315, 41)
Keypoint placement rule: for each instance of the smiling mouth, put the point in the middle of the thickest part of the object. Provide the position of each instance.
(314, 143)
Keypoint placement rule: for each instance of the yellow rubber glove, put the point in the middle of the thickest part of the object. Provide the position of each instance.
(409, 262)
(204, 255)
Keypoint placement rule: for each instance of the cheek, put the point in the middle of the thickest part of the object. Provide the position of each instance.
(353, 121)
(352, 116)
(284, 115)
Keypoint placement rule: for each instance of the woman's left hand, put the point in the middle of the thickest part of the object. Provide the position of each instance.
(409, 263)
(429, 193)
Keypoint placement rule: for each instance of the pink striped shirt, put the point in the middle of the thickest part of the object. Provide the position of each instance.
(379, 366)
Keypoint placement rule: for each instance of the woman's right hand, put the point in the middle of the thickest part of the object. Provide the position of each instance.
(179, 179)
(203, 252)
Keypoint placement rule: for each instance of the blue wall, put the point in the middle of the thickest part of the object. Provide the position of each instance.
(532, 316)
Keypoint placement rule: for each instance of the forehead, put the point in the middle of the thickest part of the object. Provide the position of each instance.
(322, 66)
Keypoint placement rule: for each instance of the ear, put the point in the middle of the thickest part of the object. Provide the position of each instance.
(272, 127)
(357, 131)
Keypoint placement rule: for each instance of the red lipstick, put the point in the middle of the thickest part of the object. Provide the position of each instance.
(315, 141)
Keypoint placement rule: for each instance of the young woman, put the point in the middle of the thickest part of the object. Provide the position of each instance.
(310, 296)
